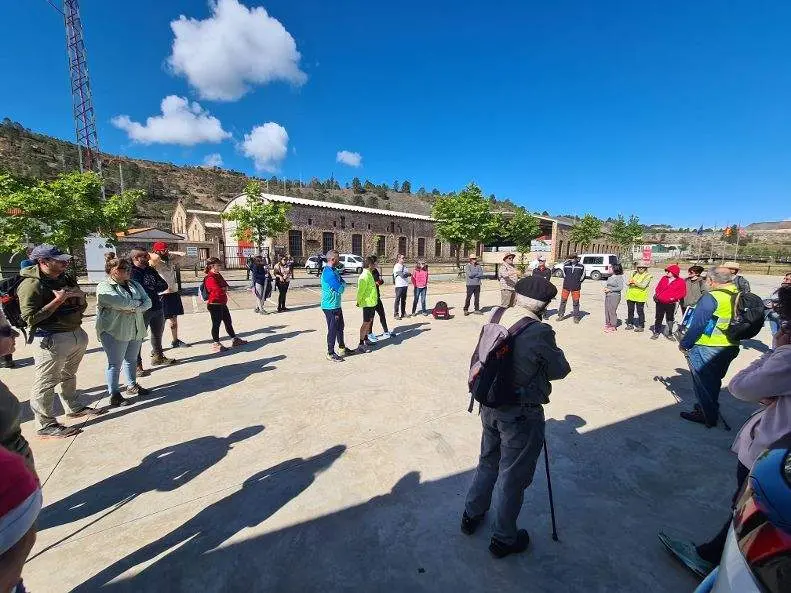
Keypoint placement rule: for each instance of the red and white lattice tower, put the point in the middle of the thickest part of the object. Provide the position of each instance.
(82, 101)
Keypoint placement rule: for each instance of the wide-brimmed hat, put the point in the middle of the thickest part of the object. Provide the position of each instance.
(509, 254)
(473, 256)
(731, 265)
(642, 264)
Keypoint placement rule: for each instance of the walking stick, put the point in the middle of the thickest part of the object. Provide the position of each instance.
(549, 487)
(697, 380)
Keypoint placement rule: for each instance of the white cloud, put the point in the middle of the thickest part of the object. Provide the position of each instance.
(235, 48)
(212, 160)
(267, 145)
(353, 159)
(181, 122)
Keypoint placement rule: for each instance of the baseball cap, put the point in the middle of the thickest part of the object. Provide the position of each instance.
(49, 252)
(160, 246)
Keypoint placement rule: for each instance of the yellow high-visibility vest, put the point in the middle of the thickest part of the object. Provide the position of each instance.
(722, 318)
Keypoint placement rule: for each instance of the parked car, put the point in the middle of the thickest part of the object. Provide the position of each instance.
(757, 556)
(352, 262)
(315, 263)
(597, 265)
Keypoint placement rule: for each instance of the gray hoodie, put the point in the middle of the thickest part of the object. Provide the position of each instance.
(474, 274)
(767, 377)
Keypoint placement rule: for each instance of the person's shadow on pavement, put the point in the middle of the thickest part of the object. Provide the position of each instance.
(183, 568)
(161, 471)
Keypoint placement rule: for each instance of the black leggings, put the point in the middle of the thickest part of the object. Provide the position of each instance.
(380, 309)
(282, 288)
(630, 319)
(220, 314)
(664, 311)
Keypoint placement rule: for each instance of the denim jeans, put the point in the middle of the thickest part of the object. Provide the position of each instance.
(119, 354)
(510, 445)
(709, 366)
(419, 294)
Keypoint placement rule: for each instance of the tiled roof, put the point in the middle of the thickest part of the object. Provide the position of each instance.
(344, 207)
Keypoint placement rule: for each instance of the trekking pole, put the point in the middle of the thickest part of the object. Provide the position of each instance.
(549, 487)
(696, 379)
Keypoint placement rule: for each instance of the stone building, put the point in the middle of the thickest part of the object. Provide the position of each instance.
(202, 230)
(317, 227)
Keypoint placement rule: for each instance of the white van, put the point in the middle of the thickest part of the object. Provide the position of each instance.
(597, 265)
(351, 262)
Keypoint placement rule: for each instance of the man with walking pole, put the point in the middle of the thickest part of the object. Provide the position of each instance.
(514, 361)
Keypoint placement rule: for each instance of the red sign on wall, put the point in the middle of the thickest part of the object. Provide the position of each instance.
(648, 253)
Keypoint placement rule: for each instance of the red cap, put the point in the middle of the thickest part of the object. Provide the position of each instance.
(673, 269)
(160, 246)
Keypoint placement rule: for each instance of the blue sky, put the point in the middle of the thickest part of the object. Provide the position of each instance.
(676, 111)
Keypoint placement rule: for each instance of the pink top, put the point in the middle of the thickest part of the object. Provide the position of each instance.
(420, 278)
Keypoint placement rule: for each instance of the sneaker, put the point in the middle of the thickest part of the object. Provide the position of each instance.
(687, 553)
(217, 347)
(364, 348)
(141, 372)
(347, 351)
(334, 357)
(629, 326)
(57, 431)
(654, 336)
(179, 344)
(372, 338)
(501, 550)
(639, 329)
(466, 313)
(386, 335)
(116, 400)
(238, 342)
(257, 310)
(697, 416)
(470, 524)
(162, 360)
(87, 412)
(562, 317)
(136, 389)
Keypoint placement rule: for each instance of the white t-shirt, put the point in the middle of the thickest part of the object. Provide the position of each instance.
(400, 271)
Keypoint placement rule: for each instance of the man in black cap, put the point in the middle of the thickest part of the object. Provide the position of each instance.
(513, 434)
(573, 277)
(52, 305)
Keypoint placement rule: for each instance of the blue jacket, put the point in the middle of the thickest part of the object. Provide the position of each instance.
(332, 287)
(704, 311)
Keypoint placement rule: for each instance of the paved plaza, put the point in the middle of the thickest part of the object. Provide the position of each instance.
(268, 468)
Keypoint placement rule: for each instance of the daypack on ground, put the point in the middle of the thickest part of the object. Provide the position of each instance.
(441, 310)
(490, 366)
(9, 300)
(748, 316)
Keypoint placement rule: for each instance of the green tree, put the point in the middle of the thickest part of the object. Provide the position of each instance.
(586, 230)
(381, 191)
(368, 186)
(545, 213)
(435, 192)
(358, 200)
(61, 212)
(626, 234)
(357, 187)
(421, 192)
(395, 185)
(465, 218)
(372, 202)
(522, 229)
(406, 187)
(255, 219)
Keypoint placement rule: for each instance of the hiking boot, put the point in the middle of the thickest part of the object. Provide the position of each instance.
(697, 416)
(116, 400)
(501, 550)
(639, 329)
(162, 360)
(334, 357)
(135, 389)
(686, 551)
(466, 313)
(57, 431)
(179, 344)
(470, 524)
(576, 320)
(87, 412)
(141, 372)
(364, 348)
(654, 336)
(238, 342)
(217, 347)
(629, 326)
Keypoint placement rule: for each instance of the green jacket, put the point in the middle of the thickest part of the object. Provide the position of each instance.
(35, 292)
(366, 290)
(120, 314)
(638, 292)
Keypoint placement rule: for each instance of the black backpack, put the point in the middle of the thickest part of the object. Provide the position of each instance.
(490, 378)
(748, 315)
(9, 300)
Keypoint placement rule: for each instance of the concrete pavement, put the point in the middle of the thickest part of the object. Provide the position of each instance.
(268, 468)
